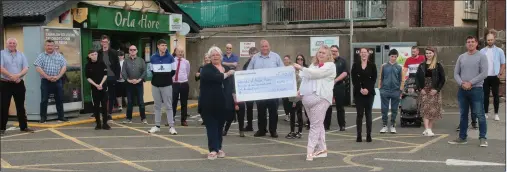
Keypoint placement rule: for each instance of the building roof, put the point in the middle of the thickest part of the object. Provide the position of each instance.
(34, 12)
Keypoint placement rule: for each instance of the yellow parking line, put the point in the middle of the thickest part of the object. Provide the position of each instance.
(21, 134)
(4, 163)
(422, 146)
(377, 149)
(199, 149)
(315, 168)
(100, 151)
(393, 141)
(37, 139)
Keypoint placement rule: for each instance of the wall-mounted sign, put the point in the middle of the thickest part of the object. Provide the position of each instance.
(175, 22)
(80, 14)
(244, 47)
(119, 19)
(316, 42)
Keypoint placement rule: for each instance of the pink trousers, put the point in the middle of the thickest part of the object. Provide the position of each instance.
(316, 108)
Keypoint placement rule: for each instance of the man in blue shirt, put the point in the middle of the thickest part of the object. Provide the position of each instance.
(496, 67)
(229, 58)
(51, 66)
(266, 59)
(14, 67)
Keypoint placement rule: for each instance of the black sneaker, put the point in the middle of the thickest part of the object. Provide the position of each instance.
(290, 135)
(259, 134)
(458, 141)
(28, 130)
(474, 126)
(298, 135)
(2, 132)
(98, 127)
(106, 126)
(274, 134)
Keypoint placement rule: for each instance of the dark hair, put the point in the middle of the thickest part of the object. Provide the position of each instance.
(286, 56)
(121, 53)
(161, 41)
(431, 49)
(472, 37)
(334, 46)
(174, 52)
(304, 61)
(104, 37)
(393, 52)
(364, 49)
(415, 47)
(253, 50)
(92, 51)
(50, 41)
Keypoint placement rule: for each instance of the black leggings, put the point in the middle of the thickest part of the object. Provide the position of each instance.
(364, 106)
(296, 111)
(240, 116)
(491, 83)
(99, 105)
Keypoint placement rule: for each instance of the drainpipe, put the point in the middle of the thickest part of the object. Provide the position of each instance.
(420, 13)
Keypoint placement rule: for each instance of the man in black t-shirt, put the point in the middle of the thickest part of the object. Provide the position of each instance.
(338, 90)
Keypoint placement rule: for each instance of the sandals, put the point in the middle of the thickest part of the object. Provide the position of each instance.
(212, 155)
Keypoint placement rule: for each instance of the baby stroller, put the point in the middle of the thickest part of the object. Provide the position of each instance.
(409, 115)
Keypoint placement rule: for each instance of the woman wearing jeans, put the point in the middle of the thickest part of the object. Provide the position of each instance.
(364, 75)
(316, 91)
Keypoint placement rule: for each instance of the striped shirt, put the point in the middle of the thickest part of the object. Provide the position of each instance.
(51, 64)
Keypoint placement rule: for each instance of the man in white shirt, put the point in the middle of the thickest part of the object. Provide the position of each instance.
(496, 68)
(180, 84)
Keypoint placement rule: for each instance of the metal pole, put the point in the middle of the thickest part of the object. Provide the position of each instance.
(351, 20)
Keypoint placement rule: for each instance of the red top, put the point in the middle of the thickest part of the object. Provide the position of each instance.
(412, 64)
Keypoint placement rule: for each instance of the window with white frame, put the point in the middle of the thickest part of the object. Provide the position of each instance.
(470, 4)
(373, 9)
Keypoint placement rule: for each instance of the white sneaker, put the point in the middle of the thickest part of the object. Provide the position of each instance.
(127, 122)
(430, 133)
(200, 120)
(144, 121)
(384, 129)
(287, 118)
(497, 118)
(425, 132)
(154, 129)
(486, 115)
(172, 131)
(392, 129)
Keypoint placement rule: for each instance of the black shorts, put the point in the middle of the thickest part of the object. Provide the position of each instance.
(120, 89)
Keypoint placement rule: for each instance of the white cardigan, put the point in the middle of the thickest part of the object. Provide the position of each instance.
(318, 80)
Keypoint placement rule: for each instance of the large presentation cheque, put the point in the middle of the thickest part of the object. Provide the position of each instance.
(261, 84)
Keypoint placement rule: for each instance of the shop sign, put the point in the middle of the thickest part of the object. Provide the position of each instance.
(118, 19)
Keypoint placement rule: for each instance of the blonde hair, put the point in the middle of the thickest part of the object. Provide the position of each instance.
(329, 58)
(434, 60)
(206, 55)
(215, 48)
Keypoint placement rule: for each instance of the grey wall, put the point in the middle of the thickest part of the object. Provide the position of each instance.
(449, 43)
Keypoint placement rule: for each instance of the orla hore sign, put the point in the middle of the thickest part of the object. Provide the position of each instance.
(118, 19)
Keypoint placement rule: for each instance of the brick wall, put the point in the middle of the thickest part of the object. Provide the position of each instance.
(438, 13)
(315, 10)
(496, 14)
(414, 13)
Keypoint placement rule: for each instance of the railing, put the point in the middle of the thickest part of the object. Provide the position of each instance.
(285, 12)
(224, 13)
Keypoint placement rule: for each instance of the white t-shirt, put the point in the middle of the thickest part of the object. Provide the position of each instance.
(491, 68)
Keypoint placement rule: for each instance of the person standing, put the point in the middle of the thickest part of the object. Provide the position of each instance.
(390, 81)
(316, 91)
(230, 59)
(96, 75)
(296, 110)
(249, 104)
(496, 68)
(287, 105)
(470, 71)
(300, 59)
(13, 66)
(206, 60)
(180, 84)
(263, 60)
(111, 60)
(338, 90)
(162, 68)
(430, 79)
(364, 75)
(51, 66)
(217, 101)
(134, 71)
(121, 93)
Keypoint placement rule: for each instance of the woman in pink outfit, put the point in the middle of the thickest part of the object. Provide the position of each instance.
(316, 91)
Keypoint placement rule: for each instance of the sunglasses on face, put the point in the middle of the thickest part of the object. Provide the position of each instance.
(299, 59)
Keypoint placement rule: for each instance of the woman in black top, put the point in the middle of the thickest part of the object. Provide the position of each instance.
(249, 104)
(364, 76)
(96, 74)
(216, 100)
(300, 59)
(430, 79)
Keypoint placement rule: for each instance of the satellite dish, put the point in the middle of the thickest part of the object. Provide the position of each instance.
(184, 29)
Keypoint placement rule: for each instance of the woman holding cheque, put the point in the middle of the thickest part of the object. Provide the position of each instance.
(216, 100)
(316, 91)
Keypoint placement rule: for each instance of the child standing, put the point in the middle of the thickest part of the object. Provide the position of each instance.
(96, 74)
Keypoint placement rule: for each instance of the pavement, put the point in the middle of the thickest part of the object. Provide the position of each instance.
(128, 147)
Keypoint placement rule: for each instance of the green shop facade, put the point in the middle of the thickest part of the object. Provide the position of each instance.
(124, 28)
